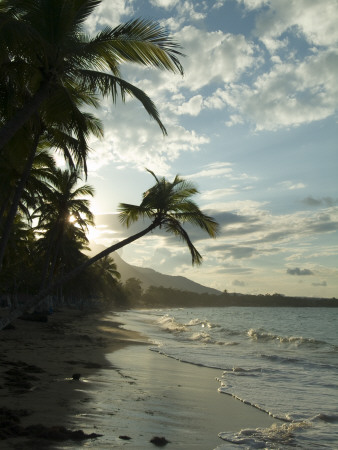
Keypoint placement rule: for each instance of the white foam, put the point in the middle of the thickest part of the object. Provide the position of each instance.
(277, 436)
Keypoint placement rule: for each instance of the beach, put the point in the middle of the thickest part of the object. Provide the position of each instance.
(125, 393)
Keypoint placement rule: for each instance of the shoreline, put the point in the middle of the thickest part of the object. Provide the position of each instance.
(124, 389)
(37, 364)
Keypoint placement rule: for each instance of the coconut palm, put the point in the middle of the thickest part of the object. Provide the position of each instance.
(108, 269)
(63, 217)
(44, 49)
(168, 205)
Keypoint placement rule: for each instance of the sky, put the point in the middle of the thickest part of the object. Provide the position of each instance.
(253, 123)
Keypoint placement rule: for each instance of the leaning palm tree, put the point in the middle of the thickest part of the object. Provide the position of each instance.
(167, 205)
(44, 48)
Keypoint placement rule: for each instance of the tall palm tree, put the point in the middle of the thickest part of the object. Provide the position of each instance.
(44, 49)
(63, 217)
(167, 205)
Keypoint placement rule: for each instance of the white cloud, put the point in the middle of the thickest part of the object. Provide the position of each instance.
(254, 4)
(315, 20)
(192, 107)
(291, 186)
(109, 14)
(216, 169)
(132, 139)
(184, 9)
(288, 95)
(217, 193)
(167, 4)
(213, 56)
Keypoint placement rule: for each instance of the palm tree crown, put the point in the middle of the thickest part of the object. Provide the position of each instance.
(169, 205)
(44, 50)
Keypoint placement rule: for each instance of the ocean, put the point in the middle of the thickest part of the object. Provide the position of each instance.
(283, 361)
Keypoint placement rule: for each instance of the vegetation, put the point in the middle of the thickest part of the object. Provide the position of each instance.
(167, 205)
(51, 72)
(160, 297)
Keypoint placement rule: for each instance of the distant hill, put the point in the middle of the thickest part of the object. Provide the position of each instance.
(150, 277)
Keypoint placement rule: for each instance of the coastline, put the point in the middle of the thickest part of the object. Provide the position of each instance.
(37, 364)
(124, 389)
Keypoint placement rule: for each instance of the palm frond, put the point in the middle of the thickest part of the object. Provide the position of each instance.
(148, 43)
(108, 84)
(129, 214)
(174, 227)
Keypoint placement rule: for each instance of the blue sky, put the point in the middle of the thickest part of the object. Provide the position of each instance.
(253, 123)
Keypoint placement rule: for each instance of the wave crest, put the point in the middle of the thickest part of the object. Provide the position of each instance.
(261, 335)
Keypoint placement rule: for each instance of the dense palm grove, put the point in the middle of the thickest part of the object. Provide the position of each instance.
(52, 74)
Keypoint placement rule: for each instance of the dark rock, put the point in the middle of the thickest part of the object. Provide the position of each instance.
(76, 376)
(125, 438)
(159, 441)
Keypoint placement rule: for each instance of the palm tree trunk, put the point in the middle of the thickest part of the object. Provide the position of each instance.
(16, 199)
(3, 208)
(24, 114)
(37, 299)
(50, 264)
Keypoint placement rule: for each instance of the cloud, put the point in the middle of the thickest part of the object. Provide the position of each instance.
(217, 193)
(216, 169)
(315, 21)
(324, 201)
(132, 139)
(254, 4)
(238, 283)
(192, 107)
(110, 14)
(299, 272)
(290, 94)
(321, 284)
(167, 4)
(226, 56)
(291, 186)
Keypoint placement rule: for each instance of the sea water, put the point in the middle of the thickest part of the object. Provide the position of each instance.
(283, 361)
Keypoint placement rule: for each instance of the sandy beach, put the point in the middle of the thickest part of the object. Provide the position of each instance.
(125, 393)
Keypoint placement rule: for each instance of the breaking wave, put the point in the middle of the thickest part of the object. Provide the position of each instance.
(263, 336)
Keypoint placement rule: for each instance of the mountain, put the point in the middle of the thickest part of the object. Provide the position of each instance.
(150, 277)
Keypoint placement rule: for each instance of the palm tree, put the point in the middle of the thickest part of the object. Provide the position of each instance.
(45, 50)
(63, 218)
(11, 168)
(108, 269)
(56, 131)
(167, 205)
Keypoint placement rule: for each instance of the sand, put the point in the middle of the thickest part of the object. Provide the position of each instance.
(126, 393)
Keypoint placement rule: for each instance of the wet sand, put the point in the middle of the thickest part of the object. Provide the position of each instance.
(126, 393)
(179, 401)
